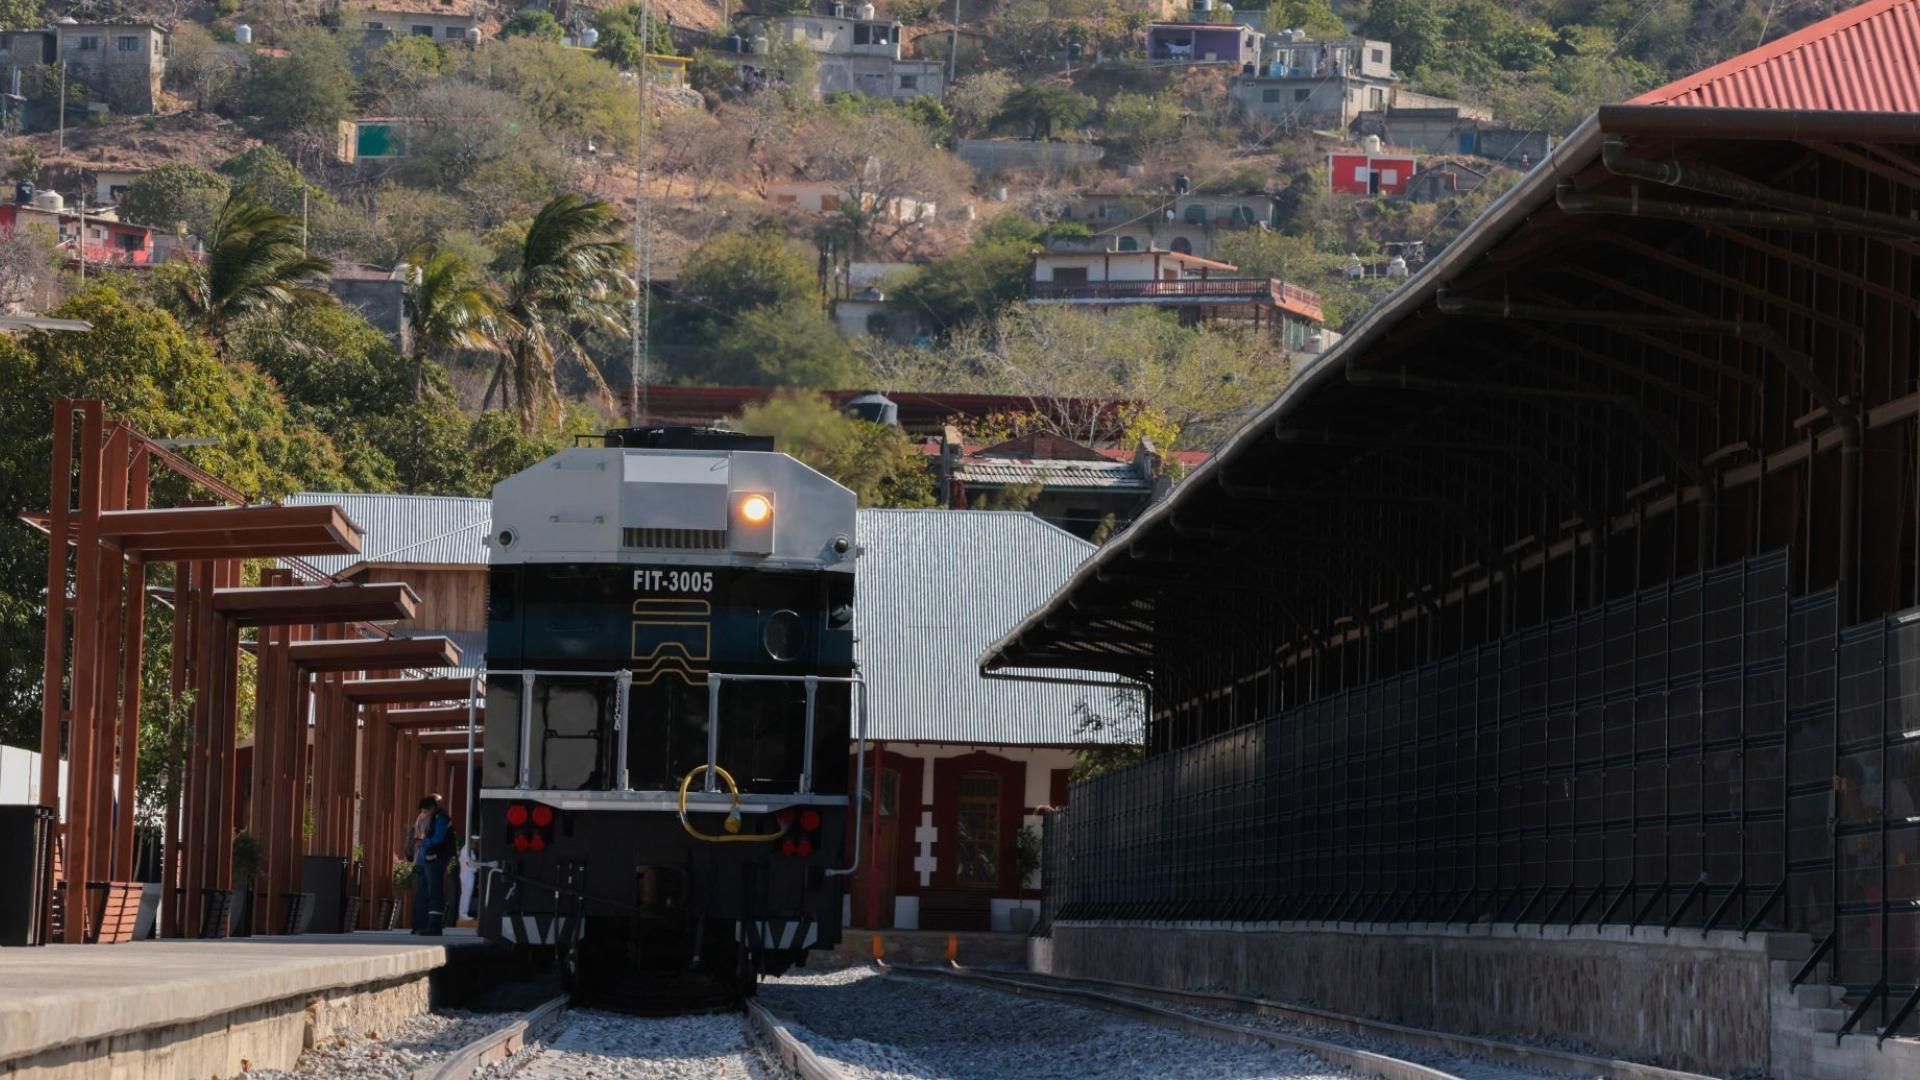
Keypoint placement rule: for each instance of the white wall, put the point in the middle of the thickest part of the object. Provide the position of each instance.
(1114, 266)
(20, 777)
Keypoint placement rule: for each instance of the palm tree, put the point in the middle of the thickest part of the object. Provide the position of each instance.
(572, 272)
(256, 265)
(449, 306)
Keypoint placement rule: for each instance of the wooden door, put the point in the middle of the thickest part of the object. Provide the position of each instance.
(875, 881)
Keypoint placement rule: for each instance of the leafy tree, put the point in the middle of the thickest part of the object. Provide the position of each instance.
(1041, 110)
(30, 266)
(534, 23)
(311, 85)
(404, 65)
(450, 305)
(1138, 123)
(620, 46)
(198, 67)
(1316, 17)
(739, 270)
(885, 168)
(256, 267)
(787, 345)
(977, 100)
(1412, 27)
(572, 270)
(168, 383)
(978, 281)
(932, 117)
(272, 178)
(175, 195)
(21, 14)
(878, 463)
(572, 97)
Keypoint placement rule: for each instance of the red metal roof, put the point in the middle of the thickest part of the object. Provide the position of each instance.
(1864, 59)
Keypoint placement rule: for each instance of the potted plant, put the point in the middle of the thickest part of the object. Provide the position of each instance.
(1026, 863)
(403, 872)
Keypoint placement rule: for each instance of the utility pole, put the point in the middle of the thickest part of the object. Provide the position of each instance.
(953, 45)
(80, 239)
(63, 103)
(303, 216)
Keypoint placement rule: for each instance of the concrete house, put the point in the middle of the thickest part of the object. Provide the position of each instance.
(1203, 43)
(446, 21)
(860, 55)
(1189, 224)
(121, 64)
(1451, 129)
(1093, 274)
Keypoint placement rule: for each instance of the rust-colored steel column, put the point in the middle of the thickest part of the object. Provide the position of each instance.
(199, 756)
(53, 712)
(290, 783)
(229, 717)
(84, 696)
(172, 846)
(109, 600)
(126, 851)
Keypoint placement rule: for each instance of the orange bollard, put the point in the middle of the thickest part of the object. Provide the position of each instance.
(953, 948)
(879, 949)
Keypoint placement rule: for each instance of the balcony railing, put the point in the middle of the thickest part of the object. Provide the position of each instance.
(1273, 291)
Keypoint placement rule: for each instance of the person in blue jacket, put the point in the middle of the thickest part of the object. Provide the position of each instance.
(434, 830)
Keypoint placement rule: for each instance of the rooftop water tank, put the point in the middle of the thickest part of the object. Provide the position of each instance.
(875, 408)
(243, 34)
(837, 9)
(1182, 184)
(1396, 267)
(760, 44)
(48, 200)
(1371, 144)
(1203, 5)
(589, 37)
(23, 193)
(865, 10)
(473, 35)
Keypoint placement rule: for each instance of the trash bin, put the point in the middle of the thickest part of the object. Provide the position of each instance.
(26, 850)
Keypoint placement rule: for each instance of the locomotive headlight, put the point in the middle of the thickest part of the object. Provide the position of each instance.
(756, 509)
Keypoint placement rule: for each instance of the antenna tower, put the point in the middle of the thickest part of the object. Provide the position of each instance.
(638, 375)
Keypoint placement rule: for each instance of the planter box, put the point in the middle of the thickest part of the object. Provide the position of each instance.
(350, 915)
(113, 907)
(216, 910)
(388, 916)
(1020, 920)
(299, 912)
(149, 911)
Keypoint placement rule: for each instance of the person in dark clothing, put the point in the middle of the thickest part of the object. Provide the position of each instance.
(433, 844)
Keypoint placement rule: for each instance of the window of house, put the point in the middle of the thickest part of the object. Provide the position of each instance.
(1128, 243)
(453, 33)
(127, 43)
(829, 203)
(909, 82)
(878, 326)
(1270, 96)
(376, 24)
(1182, 245)
(89, 44)
(423, 31)
(1302, 95)
(785, 200)
(863, 35)
(129, 241)
(1069, 275)
(977, 831)
(114, 191)
(1377, 97)
(1379, 56)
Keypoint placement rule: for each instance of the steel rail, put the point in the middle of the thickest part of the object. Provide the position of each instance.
(794, 1053)
(1496, 1051)
(495, 1045)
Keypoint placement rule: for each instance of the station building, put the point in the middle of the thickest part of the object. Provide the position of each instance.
(1546, 650)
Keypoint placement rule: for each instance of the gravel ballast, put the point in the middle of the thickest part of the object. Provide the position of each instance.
(896, 1027)
(390, 1055)
(608, 1046)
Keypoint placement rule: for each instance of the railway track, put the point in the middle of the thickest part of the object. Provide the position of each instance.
(1467, 1056)
(905, 1023)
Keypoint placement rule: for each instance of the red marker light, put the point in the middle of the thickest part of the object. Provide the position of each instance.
(787, 847)
(804, 848)
(543, 816)
(538, 843)
(516, 815)
(519, 842)
(809, 819)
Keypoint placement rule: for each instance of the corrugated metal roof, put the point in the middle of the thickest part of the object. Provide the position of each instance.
(1052, 472)
(936, 587)
(1864, 59)
(432, 529)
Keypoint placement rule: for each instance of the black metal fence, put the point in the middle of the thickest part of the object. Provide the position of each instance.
(1707, 753)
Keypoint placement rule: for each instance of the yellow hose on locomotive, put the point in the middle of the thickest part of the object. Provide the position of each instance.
(734, 836)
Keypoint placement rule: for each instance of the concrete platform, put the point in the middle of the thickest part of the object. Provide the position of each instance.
(205, 1008)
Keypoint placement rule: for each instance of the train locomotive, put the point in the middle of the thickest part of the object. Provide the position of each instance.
(670, 698)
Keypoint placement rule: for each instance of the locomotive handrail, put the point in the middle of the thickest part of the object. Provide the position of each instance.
(812, 683)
